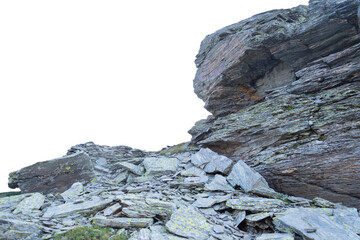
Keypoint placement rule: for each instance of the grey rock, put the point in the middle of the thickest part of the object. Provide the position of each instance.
(219, 183)
(73, 192)
(53, 176)
(283, 87)
(258, 216)
(144, 234)
(211, 162)
(121, 177)
(10, 203)
(219, 229)
(30, 204)
(134, 206)
(275, 236)
(94, 205)
(190, 182)
(123, 222)
(12, 228)
(312, 225)
(114, 209)
(138, 170)
(247, 178)
(207, 202)
(255, 204)
(188, 223)
(159, 232)
(240, 217)
(160, 166)
(192, 172)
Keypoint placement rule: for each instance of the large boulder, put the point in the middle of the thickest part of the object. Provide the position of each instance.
(284, 90)
(248, 61)
(53, 176)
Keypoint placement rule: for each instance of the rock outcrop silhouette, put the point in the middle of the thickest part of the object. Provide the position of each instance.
(283, 88)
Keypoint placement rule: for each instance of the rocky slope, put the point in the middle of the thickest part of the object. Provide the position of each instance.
(284, 92)
(283, 87)
(179, 193)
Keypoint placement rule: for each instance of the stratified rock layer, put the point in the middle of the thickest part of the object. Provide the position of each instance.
(284, 90)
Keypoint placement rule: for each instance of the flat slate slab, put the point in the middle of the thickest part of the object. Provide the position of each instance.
(94, 205)
(255, 204)
(123, 222)
(53, 176)
(160, 166)
(312, 225)
(186, 222)
(29, 204)
(275, 236)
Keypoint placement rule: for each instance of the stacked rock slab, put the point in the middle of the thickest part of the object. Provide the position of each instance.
(283, 88)
(202, 205)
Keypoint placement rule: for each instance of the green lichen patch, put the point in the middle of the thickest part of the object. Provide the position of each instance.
(90, 233)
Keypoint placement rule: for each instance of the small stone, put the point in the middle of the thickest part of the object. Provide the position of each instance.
(192, 172)
(275, 236)
(73, 192)
(219, 183)
(132, 168)
(116, 208)
(240, 216)
(219, 229)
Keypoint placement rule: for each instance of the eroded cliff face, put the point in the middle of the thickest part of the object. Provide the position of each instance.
(283, 88)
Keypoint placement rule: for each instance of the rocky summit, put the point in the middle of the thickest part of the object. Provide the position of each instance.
(278, 159)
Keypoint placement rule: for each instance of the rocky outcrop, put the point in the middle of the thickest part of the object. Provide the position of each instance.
(53, 176)
(283, 87)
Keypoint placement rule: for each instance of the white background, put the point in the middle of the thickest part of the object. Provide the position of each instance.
(111, 72)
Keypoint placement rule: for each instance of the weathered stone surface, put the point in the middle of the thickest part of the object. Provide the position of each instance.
(186, 222)
(190, 182)
(135, 169)
(160, 233)
(12, 228)
(73, 192)
(29, 204)
(207, 202)
(193, 172)
(312, 225)
(160, 166)
(211, 162)
(275, 236)
(219, 183)
(53, 176)
(247, 178)
(116, 208)
(96, 204)
(138, 207)
(123, 222)
(239, 64)
(290, 78)
(255, 204)
(10, 203)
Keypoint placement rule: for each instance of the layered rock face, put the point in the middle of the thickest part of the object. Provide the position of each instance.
(283, 88)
